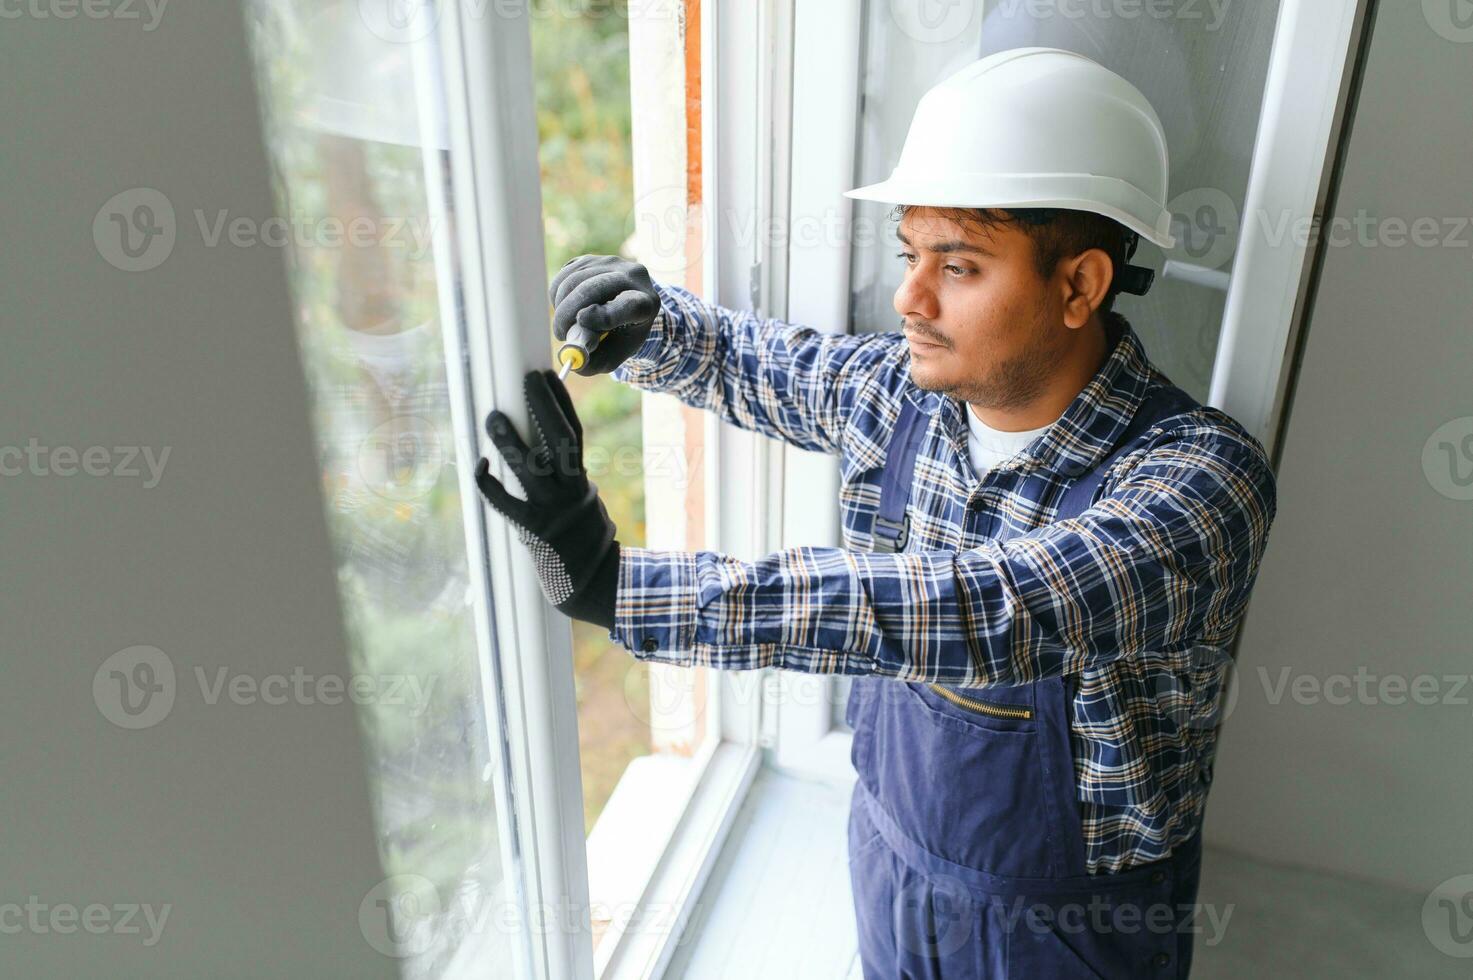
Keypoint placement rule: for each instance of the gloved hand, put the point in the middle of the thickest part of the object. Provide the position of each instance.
(604, 292)
(562, 521)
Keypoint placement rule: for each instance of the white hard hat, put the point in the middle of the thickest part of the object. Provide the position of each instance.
(1035, 128)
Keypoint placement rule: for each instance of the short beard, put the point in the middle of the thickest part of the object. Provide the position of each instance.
(1014, 383)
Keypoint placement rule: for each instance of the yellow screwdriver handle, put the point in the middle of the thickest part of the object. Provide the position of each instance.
(579, 344)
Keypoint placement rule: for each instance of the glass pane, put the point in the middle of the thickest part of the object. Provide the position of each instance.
(641, 726)
(357, 184)
(1202, 67)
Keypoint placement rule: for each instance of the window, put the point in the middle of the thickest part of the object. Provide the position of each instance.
(544, 768)
(644, 730)
(1202, 71)
(357, 168)
(407, 341)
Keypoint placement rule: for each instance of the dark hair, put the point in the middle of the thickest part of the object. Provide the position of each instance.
(1057, 233)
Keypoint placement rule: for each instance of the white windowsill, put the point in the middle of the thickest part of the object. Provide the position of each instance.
(654, 846)
(778, 902)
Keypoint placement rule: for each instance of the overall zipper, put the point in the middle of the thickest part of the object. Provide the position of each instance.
(982, 707)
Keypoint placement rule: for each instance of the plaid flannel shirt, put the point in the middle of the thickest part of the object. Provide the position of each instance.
(1140, 595)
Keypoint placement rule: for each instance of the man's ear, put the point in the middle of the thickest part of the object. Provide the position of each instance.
(1085, 281)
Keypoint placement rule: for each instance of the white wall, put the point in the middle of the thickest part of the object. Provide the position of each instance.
(1369, 565)
(252, 823)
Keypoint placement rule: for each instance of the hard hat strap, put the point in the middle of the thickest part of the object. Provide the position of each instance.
(1134, 279)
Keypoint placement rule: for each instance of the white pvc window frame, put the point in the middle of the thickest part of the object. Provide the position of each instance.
(1305, 100)
(736, 520)
(825, 114)
(778, 146)
(486, 65)
(779, 152)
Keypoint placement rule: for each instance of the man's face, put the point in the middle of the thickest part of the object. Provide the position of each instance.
(995, 326)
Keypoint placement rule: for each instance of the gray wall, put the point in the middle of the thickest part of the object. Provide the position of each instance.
(251, 822)
(1369, 564)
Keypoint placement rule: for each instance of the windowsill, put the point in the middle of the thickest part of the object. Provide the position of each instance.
(633, 829)
(778, 902)
(652, 849)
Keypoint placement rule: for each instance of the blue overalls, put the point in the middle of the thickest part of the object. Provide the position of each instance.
(966, 851)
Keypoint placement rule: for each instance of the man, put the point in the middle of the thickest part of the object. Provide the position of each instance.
(1048, 546)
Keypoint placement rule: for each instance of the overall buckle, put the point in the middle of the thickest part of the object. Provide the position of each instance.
(894, 540)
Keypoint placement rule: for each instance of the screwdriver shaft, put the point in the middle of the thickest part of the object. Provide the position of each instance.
(579, 343)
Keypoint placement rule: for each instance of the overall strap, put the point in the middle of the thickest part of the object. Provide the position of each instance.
(1163, 402)
(892, 523)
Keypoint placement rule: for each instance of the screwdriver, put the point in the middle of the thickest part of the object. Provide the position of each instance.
(575, 350)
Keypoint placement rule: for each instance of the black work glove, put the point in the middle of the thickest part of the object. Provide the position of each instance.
(604, 293)
(562, 521)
